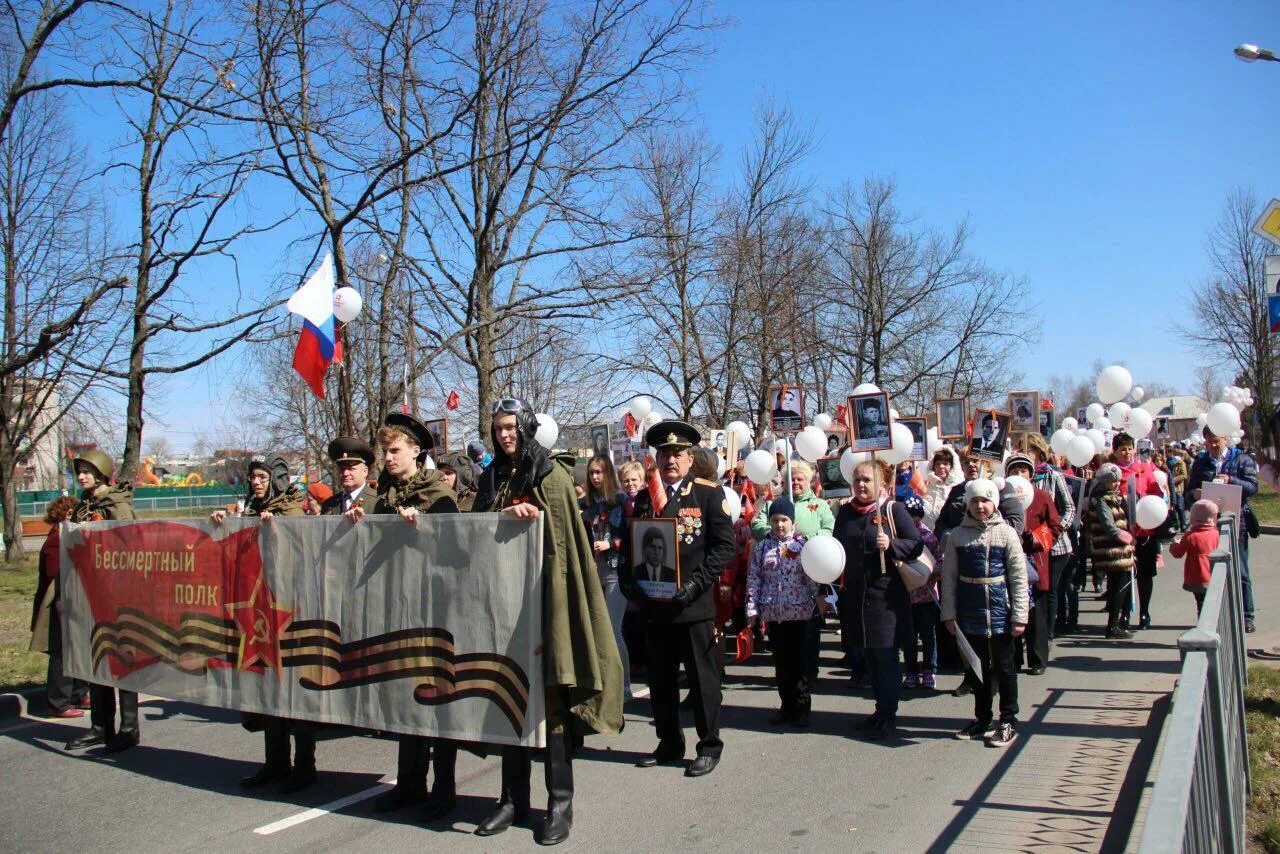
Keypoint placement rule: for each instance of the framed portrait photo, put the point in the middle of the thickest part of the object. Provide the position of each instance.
(786, 409)
(952, 415)
(990, 433)
(600, 445)
(1046, 422)
(439, 430)
(655, 557)
(832, 478)
(868, 416)
(916, 424)
(1024, 411)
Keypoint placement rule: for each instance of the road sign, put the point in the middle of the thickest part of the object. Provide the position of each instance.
(1268, 225)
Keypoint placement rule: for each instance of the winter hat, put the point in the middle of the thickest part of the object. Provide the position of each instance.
(1203, 512)
(1018, 458)
(914, 505)
(981, 488)
(782, 506)
(1107, 474)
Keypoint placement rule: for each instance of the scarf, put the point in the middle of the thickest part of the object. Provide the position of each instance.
(864, 509)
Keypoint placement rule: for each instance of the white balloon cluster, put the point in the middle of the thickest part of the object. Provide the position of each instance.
(1240, 398)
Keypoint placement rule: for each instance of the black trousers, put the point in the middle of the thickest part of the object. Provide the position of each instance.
(996, 655)
(413, 760)
(1118, 601)
(787, 642)
(1036, 637)
(1146, 553)
(102, 709)
(275, 736)
(61, 691)
(694, 645)
(1059, 570)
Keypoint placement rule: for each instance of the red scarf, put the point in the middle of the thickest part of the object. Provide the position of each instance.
(864, 509)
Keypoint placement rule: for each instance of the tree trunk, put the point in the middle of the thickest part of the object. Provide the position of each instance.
(13, 548)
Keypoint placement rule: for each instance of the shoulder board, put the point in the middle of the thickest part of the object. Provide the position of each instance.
(705, 482)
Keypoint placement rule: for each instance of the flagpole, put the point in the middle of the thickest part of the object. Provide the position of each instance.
(346, 417)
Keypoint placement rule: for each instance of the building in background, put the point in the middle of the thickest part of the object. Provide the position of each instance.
(1175, 416)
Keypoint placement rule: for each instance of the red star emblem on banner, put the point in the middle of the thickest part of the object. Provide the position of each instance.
(260, 621)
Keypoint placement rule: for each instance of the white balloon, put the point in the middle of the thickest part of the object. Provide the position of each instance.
(640, 407)
(998, 480)
(1059, 441)
(761, 467)
(1069, 423)
(1140, 423)
(1151, 512)
(822, 558)
(1103, 424)
(932, 444)
(782, 446)
(902, 442)
(1138, 394)
(1098, 439)
(741, 431)
(733, 503)
(1022, 487)
(721, 466)
(1238, 402)
(347, 303)
(1094, 412)
(1080, 450)
(850, 460)
(1239, 434)
(1200, 419)
(1223, 419)
(1118, 413)
(822, 421)
(811, 443)
(548, 431)
(866, 388)
(893, 414)
(1114, 384)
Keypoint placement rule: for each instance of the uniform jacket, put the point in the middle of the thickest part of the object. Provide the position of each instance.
(104, 502)
(287, 503)
(874, 606)
(425, 490)
(706, 543)
(984, 578)
(1108, 516)
(366, 500)
(813, 517)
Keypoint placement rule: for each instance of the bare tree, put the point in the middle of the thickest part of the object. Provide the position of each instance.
(54, 259)
(1208, 383)
(1229, 327)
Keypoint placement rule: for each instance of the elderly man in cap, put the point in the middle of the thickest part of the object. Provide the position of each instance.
(407, 487)
(682, 628)
(353, 459)
(100, 500)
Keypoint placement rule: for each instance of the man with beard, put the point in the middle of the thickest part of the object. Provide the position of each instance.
(100, 500)
(581, 666)
(407, 487)
(682, 629)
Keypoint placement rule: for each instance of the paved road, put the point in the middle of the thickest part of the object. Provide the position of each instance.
(1075, 777)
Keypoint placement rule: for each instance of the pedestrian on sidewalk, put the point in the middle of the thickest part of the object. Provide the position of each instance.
(780, 594)
(1195, 546)
(67, 697)
(1112, 547)
(922, 640)
(984, 595)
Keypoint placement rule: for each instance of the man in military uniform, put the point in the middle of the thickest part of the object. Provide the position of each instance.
(407, 487)
(354, 460)
(272, 493)
(682, 629)
(100, 500)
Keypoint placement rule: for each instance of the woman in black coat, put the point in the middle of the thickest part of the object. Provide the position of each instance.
(875, 610)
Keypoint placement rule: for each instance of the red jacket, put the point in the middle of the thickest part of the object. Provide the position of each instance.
(1042, 525)
(1195, 547)
(1143, 477)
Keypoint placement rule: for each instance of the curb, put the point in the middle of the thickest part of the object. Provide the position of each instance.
(1269, 529)
(15, 705)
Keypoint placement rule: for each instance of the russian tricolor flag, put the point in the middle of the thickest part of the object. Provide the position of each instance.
(318, 344)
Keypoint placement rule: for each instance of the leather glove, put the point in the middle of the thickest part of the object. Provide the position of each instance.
(686, 594)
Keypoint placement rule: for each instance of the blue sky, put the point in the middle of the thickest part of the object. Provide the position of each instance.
(1090, 145)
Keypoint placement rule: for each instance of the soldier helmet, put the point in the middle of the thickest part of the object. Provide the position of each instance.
(98, 462)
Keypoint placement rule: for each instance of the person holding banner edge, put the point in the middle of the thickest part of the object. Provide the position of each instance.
(100, 500)
(582, 670)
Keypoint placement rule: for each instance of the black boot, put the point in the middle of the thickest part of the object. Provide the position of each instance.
(275, 739)
(513, 806)
(95, 736)
(304, 757)
(444, 794)
(559, 777)
(411, 775)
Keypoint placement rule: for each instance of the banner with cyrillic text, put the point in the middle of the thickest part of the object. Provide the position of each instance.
(432, 628)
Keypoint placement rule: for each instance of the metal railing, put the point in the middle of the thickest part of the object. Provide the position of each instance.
(1198, 801)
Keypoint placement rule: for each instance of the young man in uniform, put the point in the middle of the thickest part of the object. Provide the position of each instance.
(582, 670)
(272, 493)
(100, 500)
(407, 487)
(682, 629)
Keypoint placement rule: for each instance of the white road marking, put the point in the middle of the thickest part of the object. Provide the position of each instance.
(324, 809)
(640, 692)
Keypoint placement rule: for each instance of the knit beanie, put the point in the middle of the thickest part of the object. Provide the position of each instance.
(1203, 512)
(1018, 458)
(782, 506)
(981, 488)
(1107, 474)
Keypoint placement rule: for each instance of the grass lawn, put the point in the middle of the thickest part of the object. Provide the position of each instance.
(1262, 719)
(1266, 504)
(19, 668)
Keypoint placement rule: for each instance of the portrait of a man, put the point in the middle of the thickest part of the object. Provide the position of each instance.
(869, 421)
(991, 429)
(787, 412)
(1046, 423)
(655, 558)
(1025, 409)
(951, 417)
(917, 427)
(439, 430)
(600, 440)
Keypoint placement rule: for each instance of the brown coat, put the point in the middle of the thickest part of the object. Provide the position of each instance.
(1107, 518)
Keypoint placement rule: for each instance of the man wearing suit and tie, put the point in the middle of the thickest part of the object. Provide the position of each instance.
(654, 551)
(681, 629)
(353, 459)
(992, 439)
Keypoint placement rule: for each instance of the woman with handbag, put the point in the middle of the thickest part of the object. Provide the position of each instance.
(875, 611)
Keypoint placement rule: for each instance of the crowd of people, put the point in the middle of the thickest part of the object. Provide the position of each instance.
(946, 562)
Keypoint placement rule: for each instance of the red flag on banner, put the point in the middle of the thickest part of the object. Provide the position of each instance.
(453, 401)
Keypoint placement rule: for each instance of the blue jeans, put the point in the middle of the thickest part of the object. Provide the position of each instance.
(616, 602)
(924, 625)
(1246, 583)
(885, 672)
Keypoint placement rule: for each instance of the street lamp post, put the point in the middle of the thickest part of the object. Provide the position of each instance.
(1252, 53)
